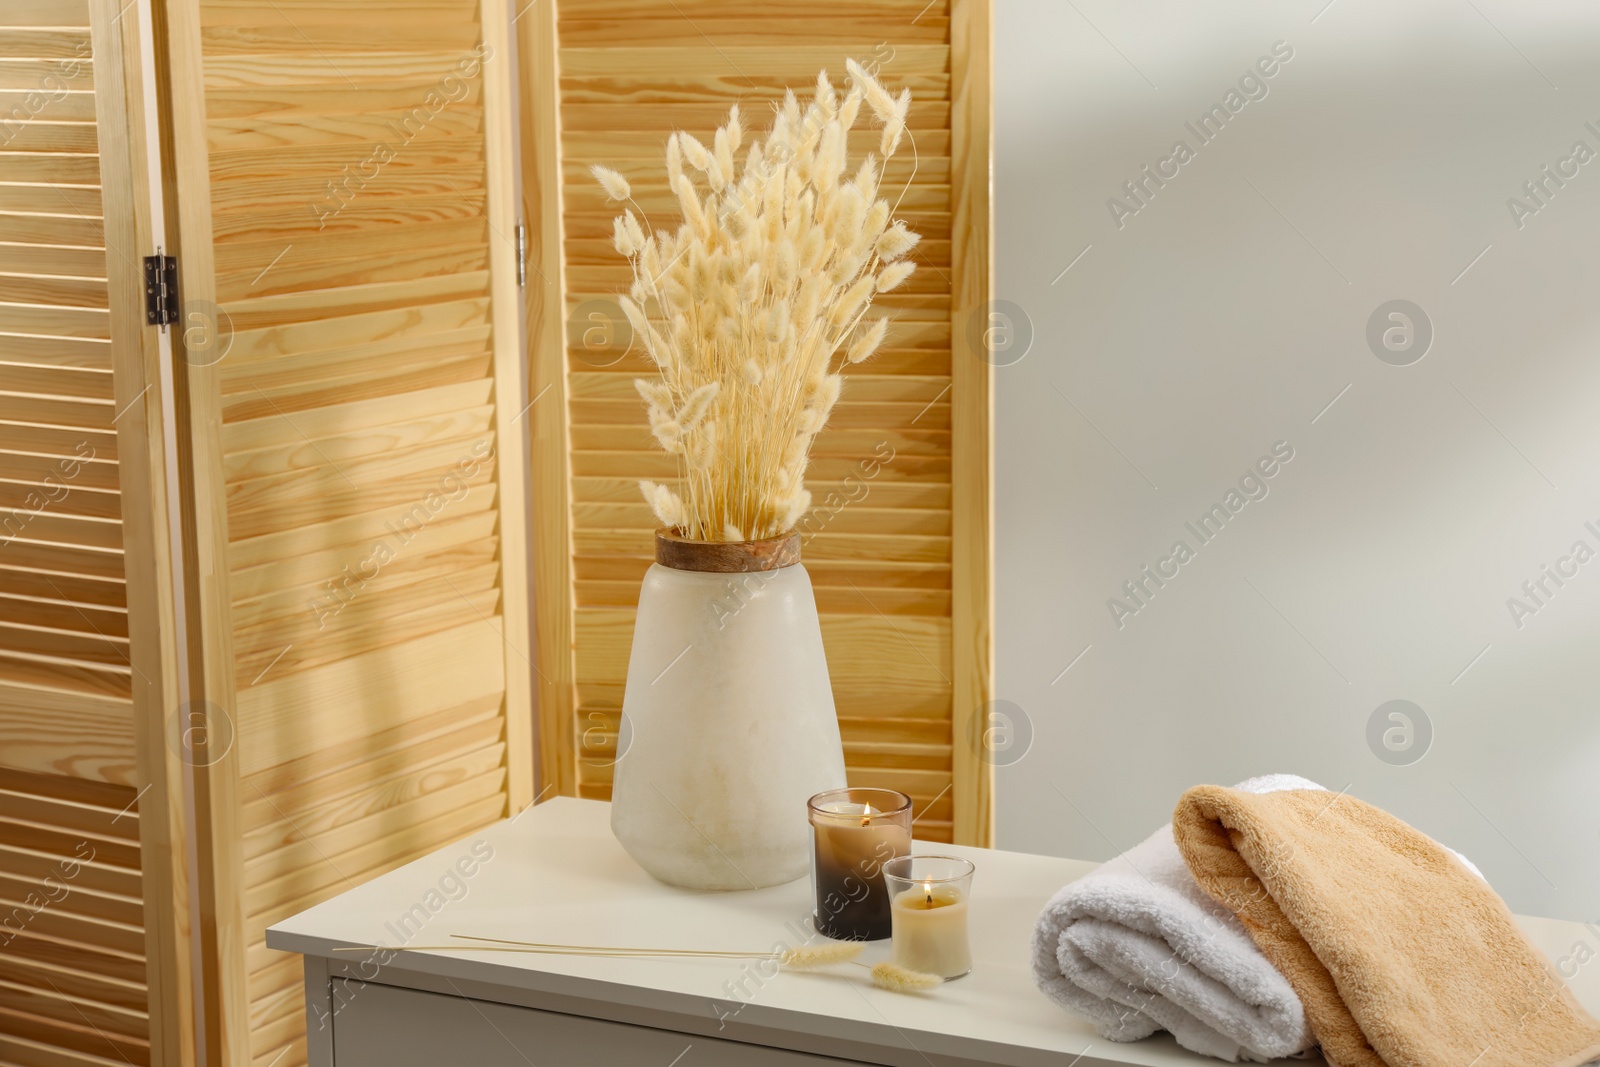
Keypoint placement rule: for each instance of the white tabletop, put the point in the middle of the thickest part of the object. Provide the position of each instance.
(557, 875)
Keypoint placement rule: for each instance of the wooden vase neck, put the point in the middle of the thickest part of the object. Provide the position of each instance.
(726, 557)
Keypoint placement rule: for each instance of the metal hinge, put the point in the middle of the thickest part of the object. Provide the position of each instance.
(522, 255)
(160, 290)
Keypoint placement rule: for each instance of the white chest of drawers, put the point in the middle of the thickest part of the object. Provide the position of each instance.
(554, 874)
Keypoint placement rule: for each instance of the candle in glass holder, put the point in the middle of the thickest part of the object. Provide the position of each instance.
(928, 907)
(855, 832)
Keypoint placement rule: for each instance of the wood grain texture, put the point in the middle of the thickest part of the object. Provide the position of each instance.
(971, 424)
(356, 455)
(726, 557)
(897, 542)
(542, 209)
(94, 892)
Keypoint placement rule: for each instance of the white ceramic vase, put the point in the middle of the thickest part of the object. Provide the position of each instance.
(728, 718)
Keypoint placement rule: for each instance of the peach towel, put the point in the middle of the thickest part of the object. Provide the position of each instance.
(1402, 957)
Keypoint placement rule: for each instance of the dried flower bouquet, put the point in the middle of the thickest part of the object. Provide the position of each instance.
(755, 303)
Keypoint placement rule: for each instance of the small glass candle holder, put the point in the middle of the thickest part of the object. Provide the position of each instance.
(855, 832)
(928, 903)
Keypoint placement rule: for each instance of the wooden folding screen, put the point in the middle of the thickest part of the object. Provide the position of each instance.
(345, 234)
(902, 572)
(94, 951)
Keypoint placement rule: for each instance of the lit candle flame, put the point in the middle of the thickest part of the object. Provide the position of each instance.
(927, 887)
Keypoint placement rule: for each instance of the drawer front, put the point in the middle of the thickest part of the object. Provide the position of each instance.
(390, 1027)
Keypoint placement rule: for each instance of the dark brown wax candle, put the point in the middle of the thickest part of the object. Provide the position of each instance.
(854, 838)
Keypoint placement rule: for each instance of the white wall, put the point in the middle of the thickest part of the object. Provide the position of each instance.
(1223, 317)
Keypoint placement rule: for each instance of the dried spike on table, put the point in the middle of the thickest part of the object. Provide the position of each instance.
(898, 979)
(822, 954)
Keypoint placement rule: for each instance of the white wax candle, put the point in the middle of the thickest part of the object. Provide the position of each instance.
(930, 930)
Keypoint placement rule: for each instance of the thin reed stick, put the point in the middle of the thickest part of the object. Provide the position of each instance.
(555, 950)
(885, 975)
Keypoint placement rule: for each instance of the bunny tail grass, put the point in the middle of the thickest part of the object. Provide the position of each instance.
(822, 955)
(898, 979)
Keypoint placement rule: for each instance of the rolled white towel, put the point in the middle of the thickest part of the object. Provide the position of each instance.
(1138, 947)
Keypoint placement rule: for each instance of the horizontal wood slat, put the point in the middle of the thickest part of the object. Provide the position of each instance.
(66, 731)
(70, 909)
(348, 191)
(94, 909)
(881, 539)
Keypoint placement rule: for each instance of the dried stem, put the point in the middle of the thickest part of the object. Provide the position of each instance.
(754, 304)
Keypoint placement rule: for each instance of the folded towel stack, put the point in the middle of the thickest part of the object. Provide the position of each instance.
(1138, 947)
(1401, 954)
(1275, 916)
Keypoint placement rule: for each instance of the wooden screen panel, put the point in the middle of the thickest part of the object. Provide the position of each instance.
(898, 570)
(94, 950)
(354, 388)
